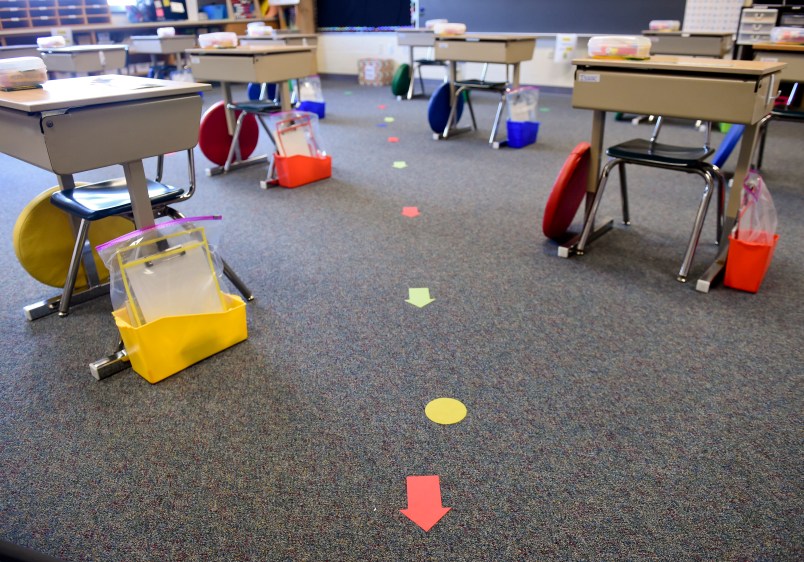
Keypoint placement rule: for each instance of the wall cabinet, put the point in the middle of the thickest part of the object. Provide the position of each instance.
(16, 14)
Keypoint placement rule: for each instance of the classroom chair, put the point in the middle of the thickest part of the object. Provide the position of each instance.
(259, 108)
(790, 110)
(643, 152)
(417, 71)
(482, 84)
(91, 202)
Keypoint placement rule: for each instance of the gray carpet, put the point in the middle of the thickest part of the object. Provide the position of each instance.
(613, 413)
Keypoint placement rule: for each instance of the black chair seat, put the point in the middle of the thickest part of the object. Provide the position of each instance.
(257, 106)
(430, 62)
(482, 85)
(658, 153)
(105, 199)
(785, 113)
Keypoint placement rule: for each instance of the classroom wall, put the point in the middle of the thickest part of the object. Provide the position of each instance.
(339, 53)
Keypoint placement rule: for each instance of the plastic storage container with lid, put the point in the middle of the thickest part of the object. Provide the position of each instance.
(791, 35)
(664, 25)
(449, 28)
(619, 47)
(22, 73)
(51, 42)
(218, 40)
(259, 29)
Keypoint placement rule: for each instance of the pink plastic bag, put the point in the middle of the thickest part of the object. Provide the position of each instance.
(757, 219)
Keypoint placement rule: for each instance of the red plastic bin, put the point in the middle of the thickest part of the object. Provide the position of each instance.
(747, 263)
(293, 171)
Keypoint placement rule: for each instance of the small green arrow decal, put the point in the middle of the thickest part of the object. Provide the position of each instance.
(419, 297)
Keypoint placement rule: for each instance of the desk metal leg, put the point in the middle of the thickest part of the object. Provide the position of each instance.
(111, 364)
(598, 129)
(411, 74)
(714, 271)
(143, 218)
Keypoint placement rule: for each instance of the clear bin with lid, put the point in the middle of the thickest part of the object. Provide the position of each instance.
(790, 35)
(259, 29)
(619, 47)
(51, 42)
(218, 40)
(22, 73)
(664, 25)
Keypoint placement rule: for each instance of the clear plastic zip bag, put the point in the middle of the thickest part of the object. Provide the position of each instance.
(169, 269)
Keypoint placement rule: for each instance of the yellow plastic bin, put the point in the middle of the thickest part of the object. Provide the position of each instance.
(164, 347)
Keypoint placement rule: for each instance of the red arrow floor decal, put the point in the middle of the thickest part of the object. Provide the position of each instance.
(424, 501)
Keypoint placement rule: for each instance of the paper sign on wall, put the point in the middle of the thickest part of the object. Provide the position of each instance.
(565, 45)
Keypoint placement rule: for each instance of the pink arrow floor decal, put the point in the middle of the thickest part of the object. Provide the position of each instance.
(424, 501)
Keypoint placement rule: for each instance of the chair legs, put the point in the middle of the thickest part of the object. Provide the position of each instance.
(589, 221)
(227, 271)
(710, 175)
(697, 226)
(624, 193)
(75, 263)
(234, 148)
(497, 117)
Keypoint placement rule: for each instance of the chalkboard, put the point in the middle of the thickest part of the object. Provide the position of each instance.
(593, 17)
(363, 13)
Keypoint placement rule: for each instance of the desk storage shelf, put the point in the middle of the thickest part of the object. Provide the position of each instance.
(16, 14)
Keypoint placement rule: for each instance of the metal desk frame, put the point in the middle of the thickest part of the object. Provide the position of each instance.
(74, 125)
(685, 87)
(279, 64)
(510, 50)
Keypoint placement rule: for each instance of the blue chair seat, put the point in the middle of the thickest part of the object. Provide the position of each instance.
(666, 154)
(108, 198)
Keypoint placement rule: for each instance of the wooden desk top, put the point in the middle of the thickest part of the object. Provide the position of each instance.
(788, 47)
(70, 93)
(686, 65)
(252, 50)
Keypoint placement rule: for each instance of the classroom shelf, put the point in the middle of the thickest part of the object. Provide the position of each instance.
(20, 14)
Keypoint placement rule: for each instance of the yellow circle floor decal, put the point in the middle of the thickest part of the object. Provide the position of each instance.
(445, 410)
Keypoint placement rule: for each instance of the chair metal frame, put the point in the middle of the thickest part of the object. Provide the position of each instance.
(82, 251)
(462, 86)
(711, 174)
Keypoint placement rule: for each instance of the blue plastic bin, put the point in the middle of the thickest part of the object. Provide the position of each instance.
(215, 11)
(317, 107)
(522, 133)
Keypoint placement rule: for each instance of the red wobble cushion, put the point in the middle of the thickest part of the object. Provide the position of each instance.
(214, 139)
(568, 192)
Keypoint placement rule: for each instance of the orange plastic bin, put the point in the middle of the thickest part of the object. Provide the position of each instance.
(747, 263)
(293, 171)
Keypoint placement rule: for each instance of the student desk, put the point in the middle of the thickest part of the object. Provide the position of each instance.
(412, 38)
(78, 124)
(280, 63)
(792, 55)
(510, 50)
(13, 51)
(154, 45)
(694, 44)
(689, 88)
(292, 39)
(84, 58)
